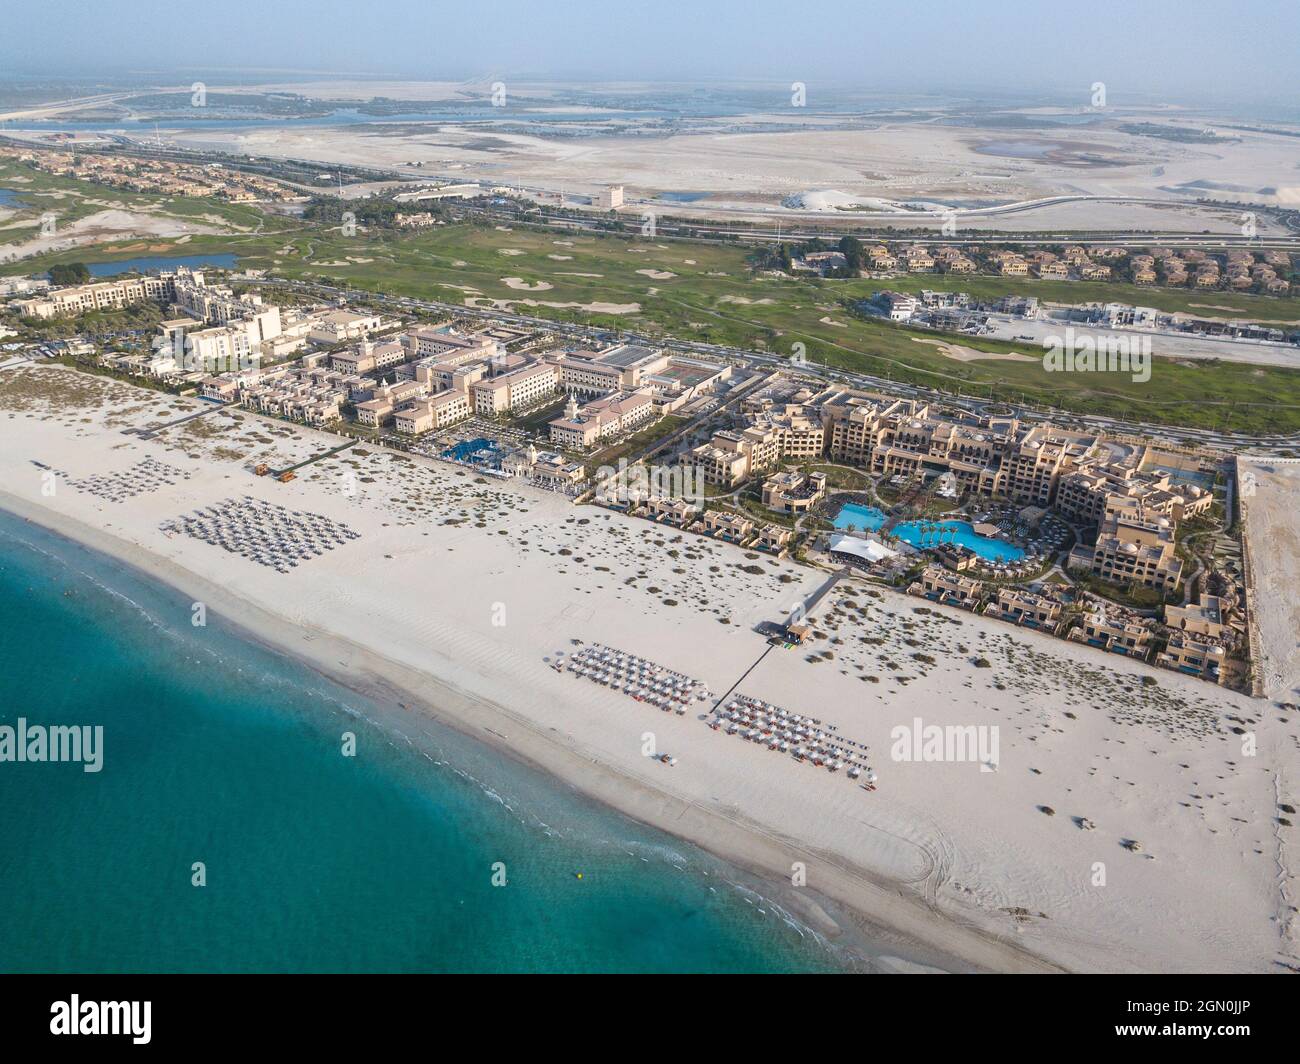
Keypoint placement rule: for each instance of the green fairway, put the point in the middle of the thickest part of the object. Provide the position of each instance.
(707, 292)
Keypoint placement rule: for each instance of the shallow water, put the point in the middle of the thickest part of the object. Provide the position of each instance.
(220, 751)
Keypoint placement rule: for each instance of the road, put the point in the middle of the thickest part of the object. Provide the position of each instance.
(670, 224)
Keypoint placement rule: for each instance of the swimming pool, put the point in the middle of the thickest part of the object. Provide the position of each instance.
(480, 451)
(865, 518)
(930, 533)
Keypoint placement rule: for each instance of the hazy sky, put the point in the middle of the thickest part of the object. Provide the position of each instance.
(1242, 49)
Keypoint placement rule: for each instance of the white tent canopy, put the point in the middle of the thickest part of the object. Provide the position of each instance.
(869, 550)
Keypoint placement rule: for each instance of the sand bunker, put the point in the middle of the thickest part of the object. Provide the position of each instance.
(509, 251)
(559, 258)
(657, 275)
(745, 300)
(958, 353)
(520, 285)
(590, 308)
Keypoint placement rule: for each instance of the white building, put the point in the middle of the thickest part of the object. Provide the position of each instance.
(609, 198)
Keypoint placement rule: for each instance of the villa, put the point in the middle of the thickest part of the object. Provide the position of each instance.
(951, 589)
(677, 512)
(1195, 654)
(1198, 642)
(1020, 606)
(773, 538)
(1116, 630)
(724, 524)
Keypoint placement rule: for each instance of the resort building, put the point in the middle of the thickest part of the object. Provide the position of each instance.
(378, 411)
(731, 457)
(456, 376)
(1085, 494)
(794, 492)
(1132, 549)
(515, 390)
(224, 347)
(368, 357)
(103, 295)
(800, 434)
(619, 368)
(442, 345)
(218, 305)
(681, 381)
(340, 326)
(430, 413)
(600, 419)
(989, 456)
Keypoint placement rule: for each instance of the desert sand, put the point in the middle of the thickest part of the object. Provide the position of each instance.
(1271, 506)
(812, 168)
(461, 591)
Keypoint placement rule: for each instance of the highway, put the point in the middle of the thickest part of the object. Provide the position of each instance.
(676, 227)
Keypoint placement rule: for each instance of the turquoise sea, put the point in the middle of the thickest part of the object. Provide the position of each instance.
(220, 751)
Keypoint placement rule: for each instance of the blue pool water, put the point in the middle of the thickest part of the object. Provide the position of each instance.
(9, 198)
(921, 533)
(481, 450)
(864, 518)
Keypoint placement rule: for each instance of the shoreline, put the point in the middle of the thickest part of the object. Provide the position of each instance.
(852, 908)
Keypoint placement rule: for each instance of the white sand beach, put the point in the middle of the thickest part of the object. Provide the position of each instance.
(460, 592)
